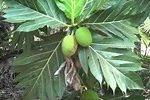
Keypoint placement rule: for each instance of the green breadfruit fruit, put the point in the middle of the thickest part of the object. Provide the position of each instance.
(83, 36)
(69, 45)
(89, 95)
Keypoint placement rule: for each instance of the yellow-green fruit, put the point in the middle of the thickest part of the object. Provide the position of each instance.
(83, 36)
(69, 45)
(89, 95)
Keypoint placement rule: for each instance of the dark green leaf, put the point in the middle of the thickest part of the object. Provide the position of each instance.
(109, 60)
(37, 68)
(91, 6)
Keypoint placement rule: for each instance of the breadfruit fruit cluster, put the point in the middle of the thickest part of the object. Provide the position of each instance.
(70, 42)
(69, 45)
(83, 36)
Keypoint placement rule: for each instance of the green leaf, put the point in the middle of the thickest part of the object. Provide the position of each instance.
(23, 40)
(34, 14)
(118, 20)
(91, 6)
(1, 4)
(71, 8)
(110, 3)
(144, 38)
(94, 67)
(112, 60)
(37, 69)
(144, 31)
(84, 62)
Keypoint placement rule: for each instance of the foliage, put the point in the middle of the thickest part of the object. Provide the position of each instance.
(144, 34)
(113, 24)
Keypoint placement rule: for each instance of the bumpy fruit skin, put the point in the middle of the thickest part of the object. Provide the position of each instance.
(69, 45)
(83, 36)
(89, 95)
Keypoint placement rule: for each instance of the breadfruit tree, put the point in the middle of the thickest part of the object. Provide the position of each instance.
(77, 44)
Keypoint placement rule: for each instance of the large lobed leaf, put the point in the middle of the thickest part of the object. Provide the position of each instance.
(34, 14)
(37, 69)
(112, 60)
(120, 20)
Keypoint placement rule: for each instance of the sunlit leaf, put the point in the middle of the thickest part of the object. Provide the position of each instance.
(71, 8)
(34, 14)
